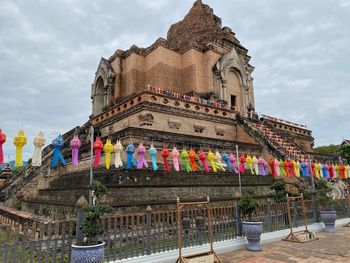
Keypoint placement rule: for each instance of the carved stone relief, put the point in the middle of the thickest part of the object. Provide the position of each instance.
(174, 125)
(220, 131)
(146, 119)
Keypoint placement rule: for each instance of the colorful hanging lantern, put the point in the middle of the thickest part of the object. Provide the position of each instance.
(153, 153)
(283, 172)
(266, 167)
(232, 160)
(250, 163)
(39, 142)
(2, 141)
(19, 141)
(218, 161)
(75, 145)
(291, 168)
(118, 148)
(141, 154)
(184, 157)
(130, 150)
(108, 149)
(272, 166)
(203, 159)
(304, 168)
(57, 155)
(192, 156)
(175, 154)
(98, 146)
(242, 161)
(226, 160)
(261, 166)
(256, 165)
(165, 155)
(211, 158)
(277, 167)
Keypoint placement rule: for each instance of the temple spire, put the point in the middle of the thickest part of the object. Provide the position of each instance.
(199, 27)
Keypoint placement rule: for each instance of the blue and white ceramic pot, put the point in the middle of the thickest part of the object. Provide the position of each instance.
(252, 231)
(328, 218)
(87, 254)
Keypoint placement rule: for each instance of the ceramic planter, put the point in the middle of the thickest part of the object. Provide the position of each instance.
(252, 231)
(328, 218)
(87, 254)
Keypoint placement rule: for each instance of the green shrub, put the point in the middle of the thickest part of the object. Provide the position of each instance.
(248, 204)
(91, 227)
(324, 198)
(280, 193)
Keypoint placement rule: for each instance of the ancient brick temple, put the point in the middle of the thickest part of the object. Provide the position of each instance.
(193, 89)
(186, 88)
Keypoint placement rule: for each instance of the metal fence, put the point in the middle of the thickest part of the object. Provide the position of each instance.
(155, 232)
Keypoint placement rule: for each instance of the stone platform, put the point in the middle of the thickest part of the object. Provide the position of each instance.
(134, 190)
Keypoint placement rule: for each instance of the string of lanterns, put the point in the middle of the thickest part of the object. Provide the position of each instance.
(191, 160)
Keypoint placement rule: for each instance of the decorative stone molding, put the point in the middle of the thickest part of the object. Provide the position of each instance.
(175, 125)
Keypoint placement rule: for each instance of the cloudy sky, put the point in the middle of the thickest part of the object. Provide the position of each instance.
(50, 49)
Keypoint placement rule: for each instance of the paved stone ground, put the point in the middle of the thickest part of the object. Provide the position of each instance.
(331, 247)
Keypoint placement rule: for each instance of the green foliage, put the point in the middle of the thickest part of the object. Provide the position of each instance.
(329, 150)
(344, 152)
(324, 197)
(98, 188)
(17, 206)
(91, 227)
(280, 193)
(17, 170)
(248, 204)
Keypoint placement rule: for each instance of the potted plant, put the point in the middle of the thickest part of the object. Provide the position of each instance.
(251, 229)
(92, 249)
(325, 200)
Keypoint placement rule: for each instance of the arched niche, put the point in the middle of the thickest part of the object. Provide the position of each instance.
(102, 88)
(234, 89)
(99, 97)
(232, 78)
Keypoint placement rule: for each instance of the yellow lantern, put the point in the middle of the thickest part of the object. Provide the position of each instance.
(19, 141)
(108, 149)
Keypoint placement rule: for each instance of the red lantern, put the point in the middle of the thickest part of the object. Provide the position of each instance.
(2, 141)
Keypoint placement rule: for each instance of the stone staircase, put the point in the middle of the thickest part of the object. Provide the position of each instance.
(249, 126)
(20, 180)
(291, 148)
(277, 144)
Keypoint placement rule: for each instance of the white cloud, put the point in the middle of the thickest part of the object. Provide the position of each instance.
(50, 50)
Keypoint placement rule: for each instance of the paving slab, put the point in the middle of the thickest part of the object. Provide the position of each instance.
(331, 247)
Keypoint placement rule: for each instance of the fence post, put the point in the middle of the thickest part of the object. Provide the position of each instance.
(148, 229)
(314, 206)
(295, 214)
(269, 215)
(238, 220)
(81, 203)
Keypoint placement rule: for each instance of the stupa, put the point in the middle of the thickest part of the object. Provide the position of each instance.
(192, 89)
